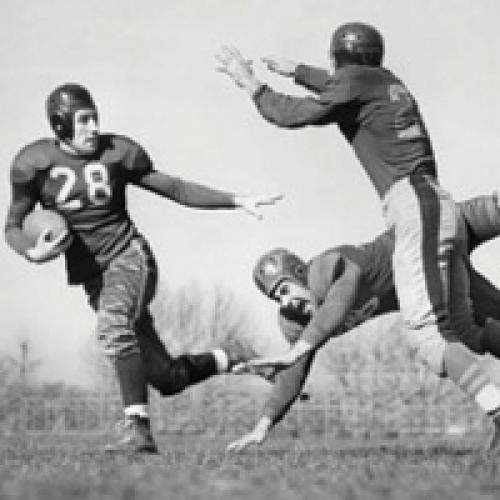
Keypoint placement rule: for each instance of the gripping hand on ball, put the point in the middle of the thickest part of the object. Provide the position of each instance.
(47, 248)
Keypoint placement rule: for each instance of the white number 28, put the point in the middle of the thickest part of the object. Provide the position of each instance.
(96, 179)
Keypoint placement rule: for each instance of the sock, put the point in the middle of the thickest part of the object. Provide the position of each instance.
(490, 339)
(140, 410)
(464, 369)
(221, 360)
(132, 379)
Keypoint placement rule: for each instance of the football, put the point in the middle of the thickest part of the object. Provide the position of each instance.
(39, 221)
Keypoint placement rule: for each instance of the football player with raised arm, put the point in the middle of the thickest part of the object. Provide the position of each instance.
(345, 286)
(380, 119)
(83, 174)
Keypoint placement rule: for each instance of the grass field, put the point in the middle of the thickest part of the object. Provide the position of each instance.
(190, 467)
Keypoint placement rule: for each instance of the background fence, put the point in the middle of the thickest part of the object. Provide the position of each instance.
(360, 403)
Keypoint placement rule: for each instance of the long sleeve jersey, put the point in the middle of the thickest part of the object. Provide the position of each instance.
(374, 295)
(90, 193)
(374, 111)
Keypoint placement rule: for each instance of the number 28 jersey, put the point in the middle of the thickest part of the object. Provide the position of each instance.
(89, 192)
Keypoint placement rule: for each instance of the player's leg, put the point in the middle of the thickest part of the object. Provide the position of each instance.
(486, 307)
(118, 295)
(172, 374)
(168, 374)
(427, 229)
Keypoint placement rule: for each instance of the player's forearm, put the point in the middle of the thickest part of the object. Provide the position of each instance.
(263, 426)
(288, 111)
(329, 319)
(287, 388)
(314, 79)
(187, 193)
(17, 240)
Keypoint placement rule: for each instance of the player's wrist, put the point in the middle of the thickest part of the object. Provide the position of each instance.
(253, 87)
(263, 426)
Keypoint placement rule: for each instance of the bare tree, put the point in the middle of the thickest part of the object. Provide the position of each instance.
(196, 319)
(24, 365)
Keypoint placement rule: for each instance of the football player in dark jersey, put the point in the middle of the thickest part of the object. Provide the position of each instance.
(344, 287)
(380, 119)
(83, 174)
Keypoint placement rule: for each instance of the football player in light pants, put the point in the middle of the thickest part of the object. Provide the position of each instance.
(380, 119)
(324, 299)
(83, 175)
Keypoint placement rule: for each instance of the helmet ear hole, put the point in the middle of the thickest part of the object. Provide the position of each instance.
(60, 125)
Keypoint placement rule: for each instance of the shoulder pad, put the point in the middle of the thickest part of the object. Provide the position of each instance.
(33, 157)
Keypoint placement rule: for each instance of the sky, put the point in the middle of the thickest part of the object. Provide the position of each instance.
(151, 68)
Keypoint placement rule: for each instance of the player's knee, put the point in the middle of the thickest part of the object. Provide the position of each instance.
(117, 343)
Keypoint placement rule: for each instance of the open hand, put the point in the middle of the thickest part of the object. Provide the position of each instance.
(251, 204)
(254, 437)
(231, 62)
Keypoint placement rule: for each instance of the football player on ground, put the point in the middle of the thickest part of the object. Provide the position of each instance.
(380, 119)
(345, 286)
(83, 174)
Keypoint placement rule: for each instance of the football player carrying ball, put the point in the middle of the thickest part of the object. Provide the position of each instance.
(82, 174)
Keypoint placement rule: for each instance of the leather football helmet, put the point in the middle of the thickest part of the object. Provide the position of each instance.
(357, 43)
(276, 265)
(61, 105)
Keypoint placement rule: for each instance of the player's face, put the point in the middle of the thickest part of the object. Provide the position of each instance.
(86, 131)
(294, 298)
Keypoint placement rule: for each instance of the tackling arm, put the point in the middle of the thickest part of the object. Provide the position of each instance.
(327, 321)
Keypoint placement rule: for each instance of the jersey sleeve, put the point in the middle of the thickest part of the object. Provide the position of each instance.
(184, 192)
(24, 196)
(137, 162)
(296, 112)
(339, 281)
(482, 215)
(287, 387)
(313, 79)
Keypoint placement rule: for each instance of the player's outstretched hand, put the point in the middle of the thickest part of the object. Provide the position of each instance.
(231, 62)
(284, 67)
(254, 366)
(46, 249)
(257, 436)
(251, 204)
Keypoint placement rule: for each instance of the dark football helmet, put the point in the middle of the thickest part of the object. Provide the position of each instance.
(276, 265)
(357, 43)
(61, 105)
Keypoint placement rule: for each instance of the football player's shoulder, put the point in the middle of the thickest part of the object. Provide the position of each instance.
(34, 156)
(120, 143)
(344, 85)
(323, 270)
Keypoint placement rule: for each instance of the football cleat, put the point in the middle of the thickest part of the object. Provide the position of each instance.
(136, 437)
